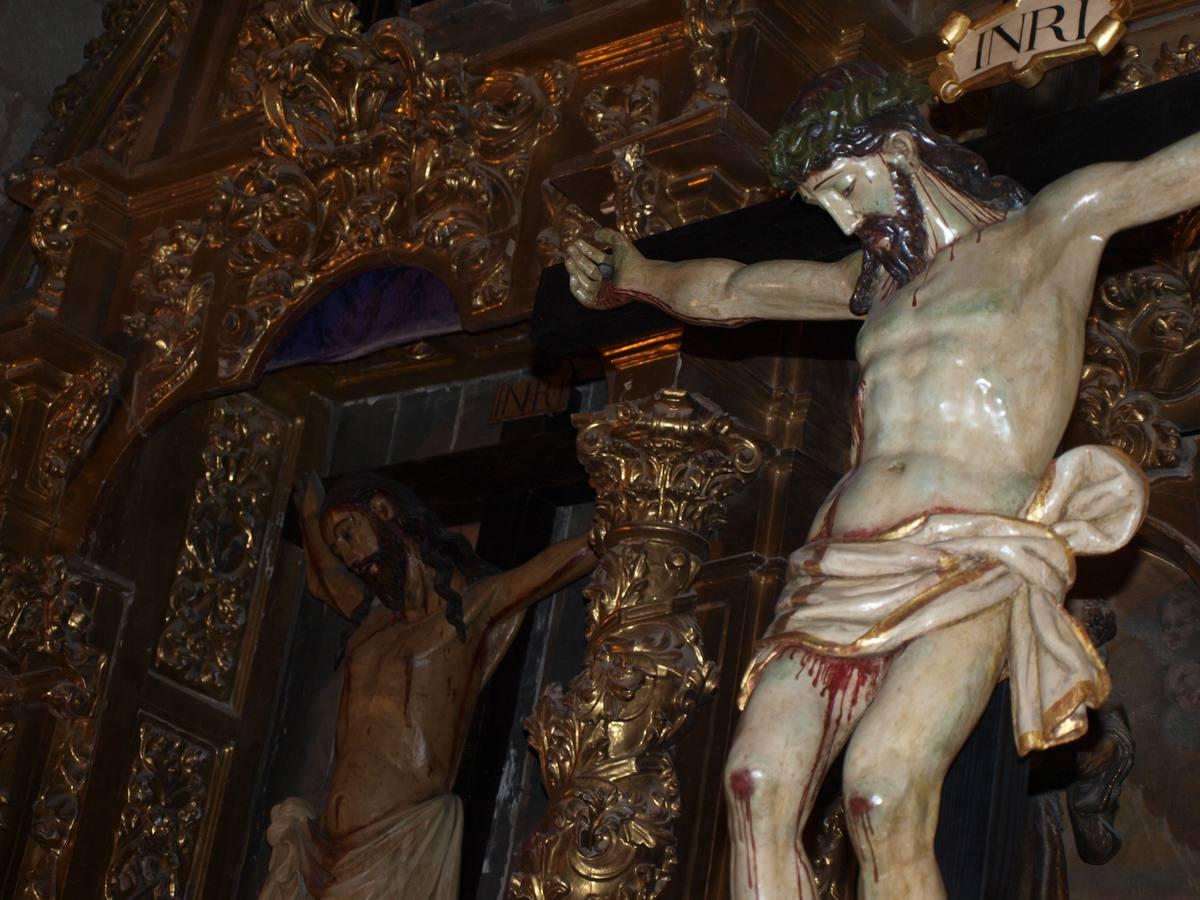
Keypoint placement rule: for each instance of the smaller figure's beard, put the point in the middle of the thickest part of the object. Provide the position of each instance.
(894, 246)
(390, 563)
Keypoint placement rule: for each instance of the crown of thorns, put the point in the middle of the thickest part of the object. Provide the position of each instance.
(802, 141)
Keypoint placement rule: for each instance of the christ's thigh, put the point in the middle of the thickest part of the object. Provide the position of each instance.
(926, 705)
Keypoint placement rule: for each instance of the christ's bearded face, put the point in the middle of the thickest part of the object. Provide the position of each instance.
(875, 199)
(375, 547)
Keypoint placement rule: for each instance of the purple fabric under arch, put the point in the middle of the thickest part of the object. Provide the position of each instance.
(380, 308)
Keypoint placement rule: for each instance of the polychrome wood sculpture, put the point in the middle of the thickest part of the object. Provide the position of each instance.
(942, 558)
(434, 622)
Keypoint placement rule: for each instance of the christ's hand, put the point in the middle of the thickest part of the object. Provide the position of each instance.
(590, 266)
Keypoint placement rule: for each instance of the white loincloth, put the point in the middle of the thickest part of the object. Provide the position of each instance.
(412, 854)
(869, 597)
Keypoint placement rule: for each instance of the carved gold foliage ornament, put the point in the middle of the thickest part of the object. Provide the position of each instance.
(74, 420)
(225, 546)
(165, 808)
(47, 660)
(661, 469)
(613, 112)
(1142, 361)
(172, 303)
(373, 142)
(54, 226)
(669, 462)
(710, 30)
(1134, 73)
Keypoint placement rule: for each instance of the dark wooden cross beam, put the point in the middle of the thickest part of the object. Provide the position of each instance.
(1035, 152)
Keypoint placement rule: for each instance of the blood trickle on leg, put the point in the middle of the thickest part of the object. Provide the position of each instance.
(741, 784)
(847, 685)
(859, 819)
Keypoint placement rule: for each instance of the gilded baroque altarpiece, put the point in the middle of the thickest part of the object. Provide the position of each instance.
(212, 172)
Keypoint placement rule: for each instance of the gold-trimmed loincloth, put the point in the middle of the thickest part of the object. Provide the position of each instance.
(870, 597)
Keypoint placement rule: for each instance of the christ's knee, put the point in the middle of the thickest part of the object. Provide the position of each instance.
(891, 806)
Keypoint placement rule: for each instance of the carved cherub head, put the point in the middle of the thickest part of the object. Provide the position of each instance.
(852, 142)
(397, 546)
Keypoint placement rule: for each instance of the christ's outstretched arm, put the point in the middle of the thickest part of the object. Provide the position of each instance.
(711, 291)
(1097, 201)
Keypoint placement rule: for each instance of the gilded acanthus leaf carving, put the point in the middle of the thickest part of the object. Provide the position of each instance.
(54, 226)
(172, 305)
(227, 541)
(374, 141)
(671, 461)
(74, 420)
(710, 30)
(568, 221)
(639, 193)
(1141, 361)
(48, 660)
(613, 112)
(165, 806)
(661, 469)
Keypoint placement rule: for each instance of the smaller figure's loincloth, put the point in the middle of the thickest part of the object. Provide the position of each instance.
(411, 853)
(870, 597)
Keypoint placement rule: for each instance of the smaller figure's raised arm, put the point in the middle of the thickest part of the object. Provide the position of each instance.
(552, 569)
(710, 291)
(328, 579)
(1098, 201)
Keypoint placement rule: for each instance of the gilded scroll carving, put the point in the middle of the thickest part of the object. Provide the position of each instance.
(1135, 73)
(47, 660)
(74, 420)
(373, 141)
(225, 545)
(710, 29)
(57, 219)
(172, 304)
(1141, 360)
(165, 806)
(568, 221)
(613, 112)
(639, 192)
(661, 469)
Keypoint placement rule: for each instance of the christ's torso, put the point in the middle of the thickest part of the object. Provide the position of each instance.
(968, 376)
(407, 700)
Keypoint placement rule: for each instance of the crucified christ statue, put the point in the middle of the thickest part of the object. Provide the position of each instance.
(939, 563)
(434, 621)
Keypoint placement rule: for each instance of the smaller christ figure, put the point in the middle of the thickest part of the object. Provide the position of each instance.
(434, 621)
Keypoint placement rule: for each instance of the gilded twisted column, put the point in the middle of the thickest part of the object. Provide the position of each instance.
(661, 468)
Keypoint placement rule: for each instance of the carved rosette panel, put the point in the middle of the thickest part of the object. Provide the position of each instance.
(48, 661)
(661, 469)
(226, 546)
(373, 142)
(166, 805)
(1142, 366)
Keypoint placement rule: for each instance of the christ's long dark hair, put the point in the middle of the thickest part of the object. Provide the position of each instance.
(440, 549)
